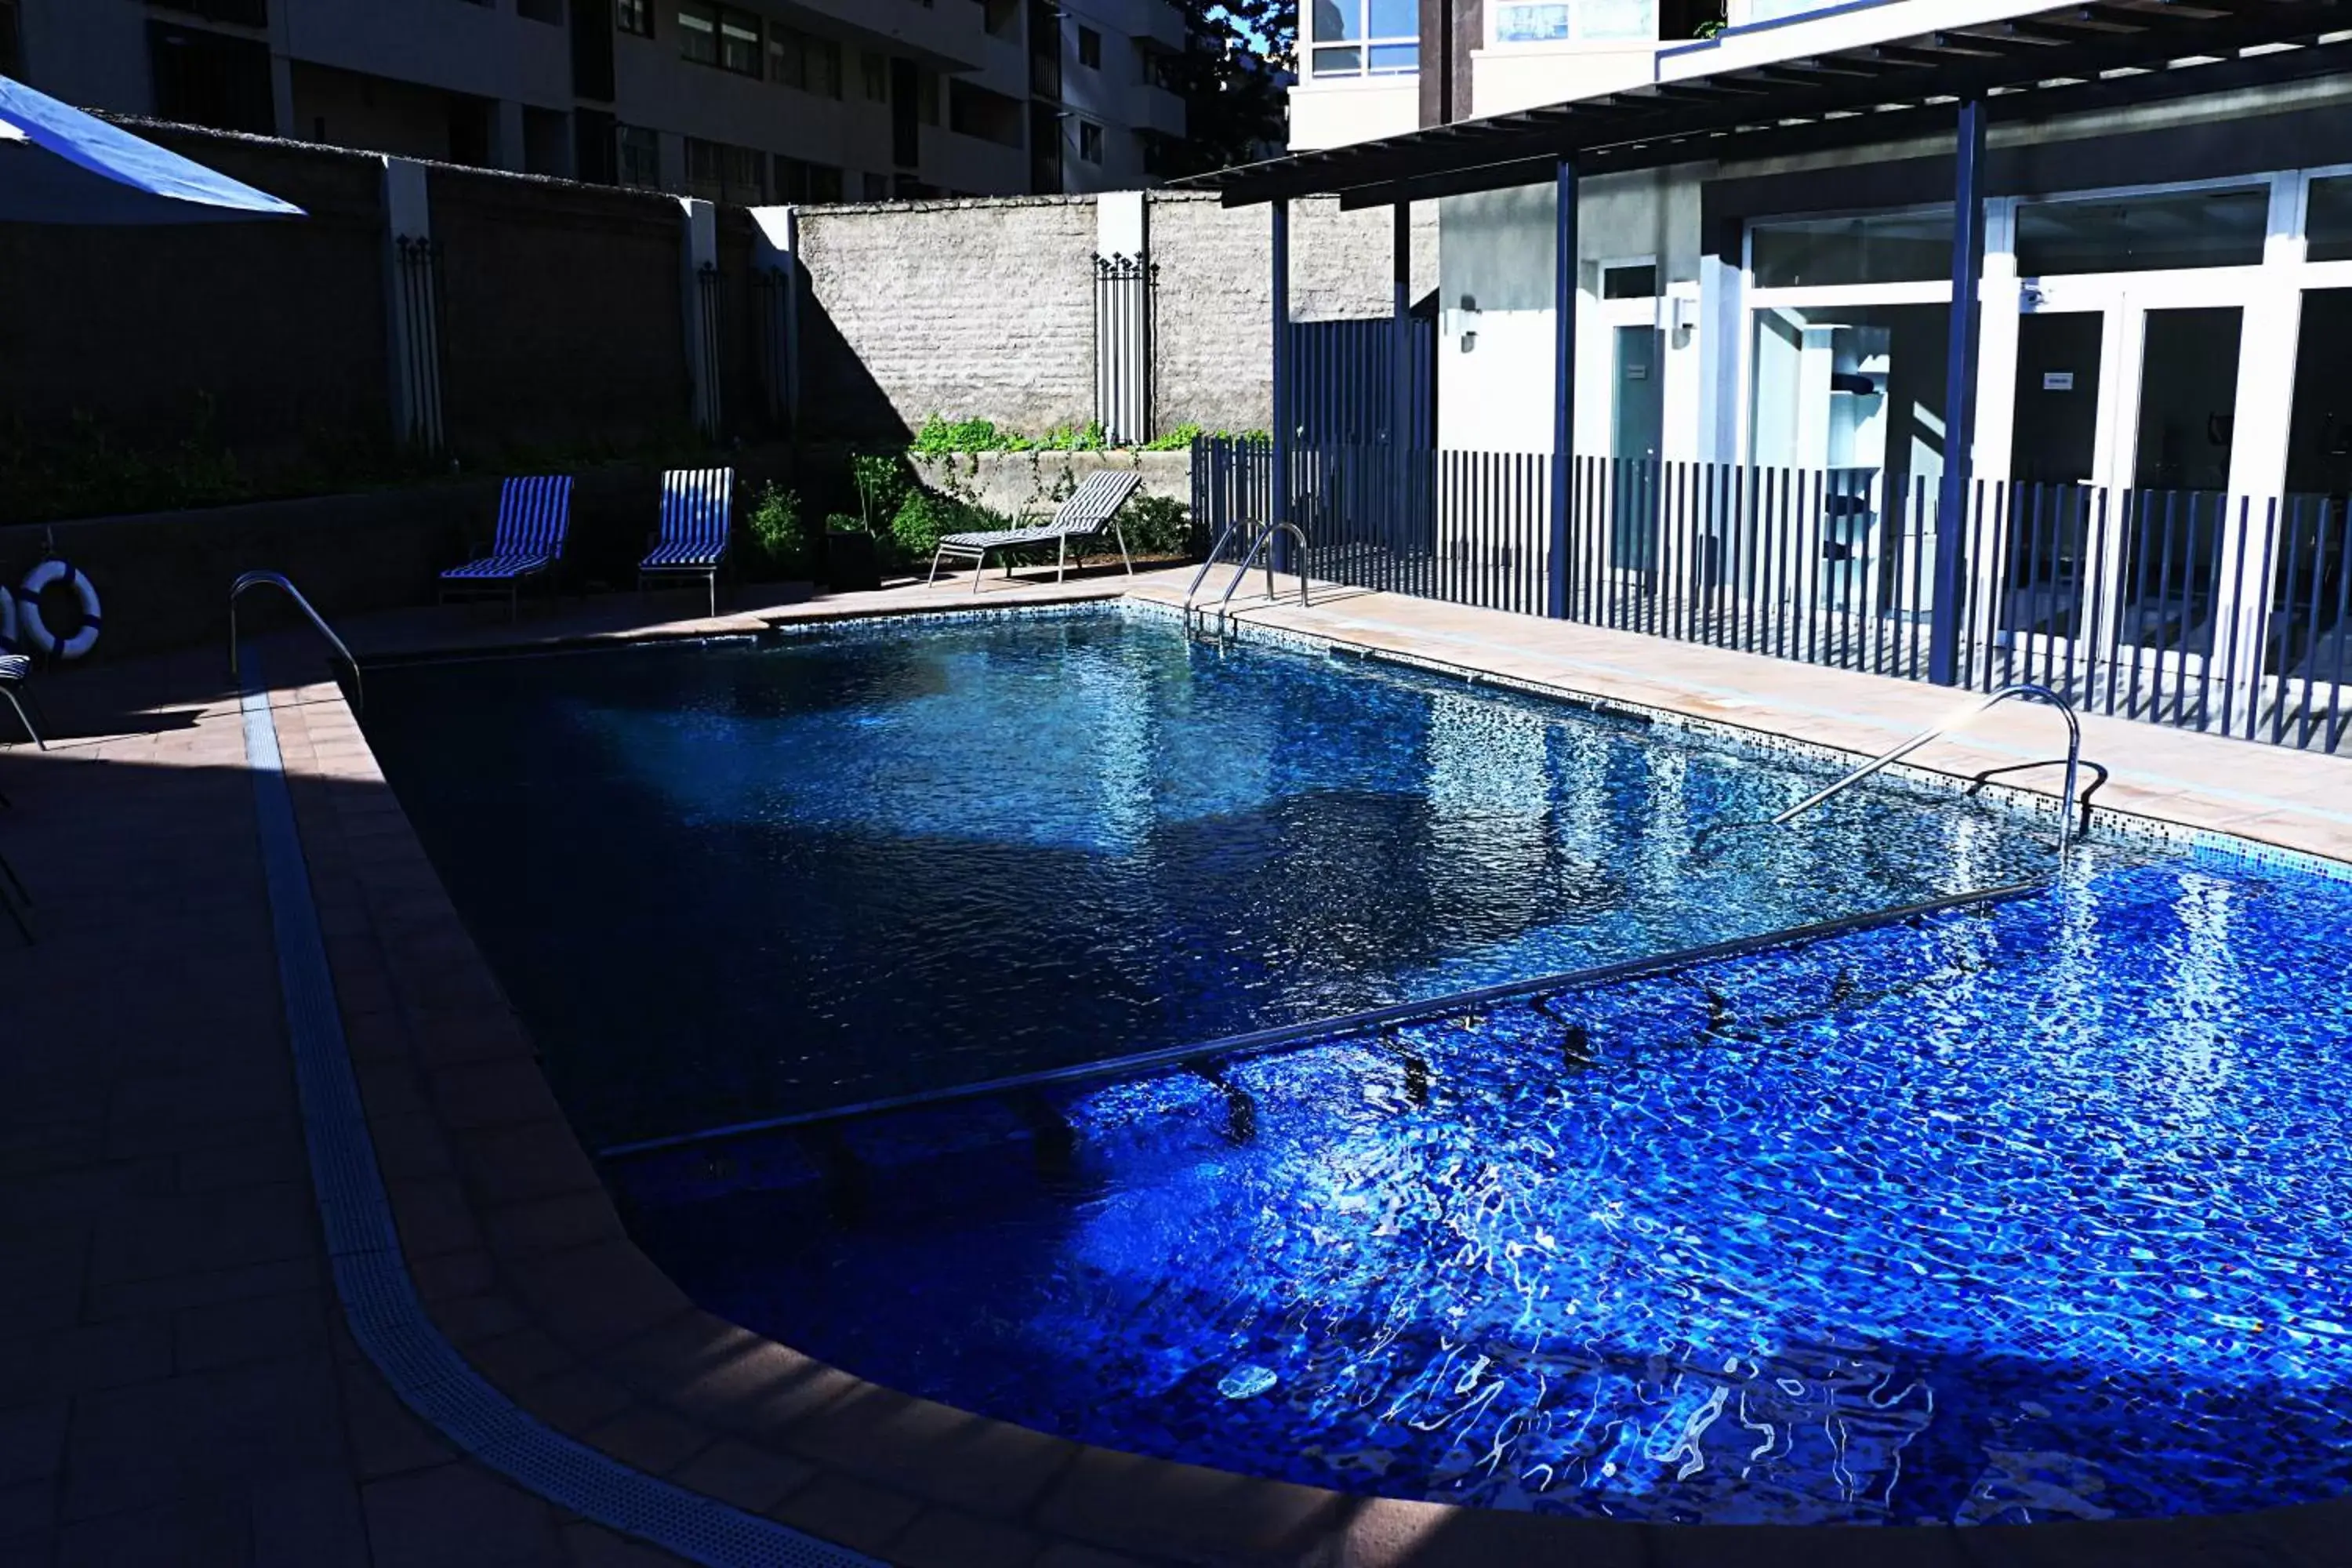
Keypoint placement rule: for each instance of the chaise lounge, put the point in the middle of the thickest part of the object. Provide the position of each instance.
(1091, 508)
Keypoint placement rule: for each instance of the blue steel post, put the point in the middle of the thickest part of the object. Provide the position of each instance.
(1563, 378)
(1959, 394)
(1279, 287)
(1400, 367)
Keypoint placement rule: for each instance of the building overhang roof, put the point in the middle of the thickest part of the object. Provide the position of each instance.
(2040, 63)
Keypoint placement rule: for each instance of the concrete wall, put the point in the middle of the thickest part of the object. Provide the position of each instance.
(967, 309)
(563, 316)
(985, 310)
(164, 577)
(273, 335)
(1015, 482)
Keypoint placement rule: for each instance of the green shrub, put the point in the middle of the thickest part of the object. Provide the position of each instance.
(843, 523)
(777, 531)
(1157, 525)
(921, 518)
(882, 484)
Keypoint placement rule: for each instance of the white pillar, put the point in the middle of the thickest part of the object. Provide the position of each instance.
(699, 292)
(411, 294)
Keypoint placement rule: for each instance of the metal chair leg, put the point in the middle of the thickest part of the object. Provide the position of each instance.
(10, 692)
(935, 570)
(1120, 534)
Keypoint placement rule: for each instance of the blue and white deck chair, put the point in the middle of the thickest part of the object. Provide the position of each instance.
(697, 515)
(534, 516)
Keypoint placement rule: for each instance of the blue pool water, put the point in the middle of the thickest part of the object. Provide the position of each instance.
(739, 881)
(2032, 1213)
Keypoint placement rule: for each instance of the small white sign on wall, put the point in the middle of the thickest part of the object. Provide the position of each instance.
(2057, 381)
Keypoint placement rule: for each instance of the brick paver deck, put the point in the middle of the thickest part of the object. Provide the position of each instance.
(176, 1387)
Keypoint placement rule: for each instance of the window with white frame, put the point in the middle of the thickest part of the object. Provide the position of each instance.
(1361, 38)
(1572, 21)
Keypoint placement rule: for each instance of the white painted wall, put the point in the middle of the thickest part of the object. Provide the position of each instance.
(1335, 113)
(1513, 76)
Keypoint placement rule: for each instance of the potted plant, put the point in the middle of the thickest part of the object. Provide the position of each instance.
(851, 564)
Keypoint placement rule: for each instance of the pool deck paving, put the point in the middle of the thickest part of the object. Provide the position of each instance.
(176, 1381)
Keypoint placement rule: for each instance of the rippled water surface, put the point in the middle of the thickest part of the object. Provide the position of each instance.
(734, 882)
(2035, 1214)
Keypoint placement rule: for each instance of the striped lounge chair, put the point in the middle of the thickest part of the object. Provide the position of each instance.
(534, 516)
(1092, 507)
(16, 670)
(697, 513)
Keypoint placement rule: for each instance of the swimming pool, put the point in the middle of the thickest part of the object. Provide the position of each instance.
(745, 879)
(2020, 1213)
(2026, 1214)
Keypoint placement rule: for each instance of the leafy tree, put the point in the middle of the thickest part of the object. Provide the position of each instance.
(1235, 77)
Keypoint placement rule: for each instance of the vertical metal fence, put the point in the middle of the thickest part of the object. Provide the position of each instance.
(1343, 382)
(419, 330)
(2224, 615)
(1125, 290)
(709, 311)
(772, 292)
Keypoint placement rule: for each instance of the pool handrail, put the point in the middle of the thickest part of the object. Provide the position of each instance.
(2024, 692)
(279, 580)
(1263, 541)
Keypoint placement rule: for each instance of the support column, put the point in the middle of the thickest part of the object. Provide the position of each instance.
(776, 242)
(1563, 384)
(1959, 395)
(412, 286)
(698, 292)
(1278, 286)
(1404, 395)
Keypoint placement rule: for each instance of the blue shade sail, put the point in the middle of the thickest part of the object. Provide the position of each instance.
(60, 165)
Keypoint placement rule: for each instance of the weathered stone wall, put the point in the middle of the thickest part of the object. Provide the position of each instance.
(1015, 482)
(985, 308)
(970, 308)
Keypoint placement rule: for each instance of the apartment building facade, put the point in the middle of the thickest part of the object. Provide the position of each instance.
(744, 102)
(2159, 252)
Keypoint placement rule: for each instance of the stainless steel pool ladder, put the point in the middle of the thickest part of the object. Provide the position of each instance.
(279, 580)
(2022, 691)
(1260, 541)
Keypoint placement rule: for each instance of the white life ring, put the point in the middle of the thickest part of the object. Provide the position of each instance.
(36, 630)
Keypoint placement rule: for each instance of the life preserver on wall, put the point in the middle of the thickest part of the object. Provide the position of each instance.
(37, 629)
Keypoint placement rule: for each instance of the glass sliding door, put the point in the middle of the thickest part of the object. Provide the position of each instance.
(2185, 424)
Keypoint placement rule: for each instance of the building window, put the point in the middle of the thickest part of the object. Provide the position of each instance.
(698, 32)
(1089, 48)
(1360, 38)
(1891, 248)
(640, 157)
(2143, 234)
(739, 43)
(801, 61)
(1089, 141)
(211, 79)
(804, 183)
(237, 13)
(718, 172)
(1583, 22)
(634, 17)
(719, 36)
(875, 70)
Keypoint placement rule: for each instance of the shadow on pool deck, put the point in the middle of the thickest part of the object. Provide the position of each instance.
(175, 1381)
